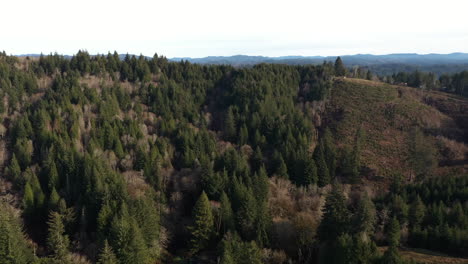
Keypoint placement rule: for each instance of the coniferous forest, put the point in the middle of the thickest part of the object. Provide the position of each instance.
(129, 159)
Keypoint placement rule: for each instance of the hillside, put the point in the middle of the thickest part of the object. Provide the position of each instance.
(138, 160)
(387, 114)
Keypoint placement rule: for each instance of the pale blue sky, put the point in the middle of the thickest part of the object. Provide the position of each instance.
(177, 28)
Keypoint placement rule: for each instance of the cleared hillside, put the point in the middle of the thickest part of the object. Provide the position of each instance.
(387, 113)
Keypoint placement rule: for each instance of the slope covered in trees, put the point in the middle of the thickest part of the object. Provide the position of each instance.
(149, 161)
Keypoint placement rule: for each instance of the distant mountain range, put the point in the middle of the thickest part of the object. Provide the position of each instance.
(350, 60)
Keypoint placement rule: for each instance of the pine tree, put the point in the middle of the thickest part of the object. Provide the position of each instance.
(28, 199)
(310, 171)
(53, 177)
(53, 200)
(14, 171)
(57, 240)
(322, 169)
(416, 212)
(336, 217)
(243, 135)
(365, 216)
(282, 170)
(340, 70)
(13, 246)
(202, 228)
(107, 256)
(227, 215)
(393, 234)
(229, 126)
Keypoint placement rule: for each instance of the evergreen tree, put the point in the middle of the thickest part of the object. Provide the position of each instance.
(57, 240)
(336, 217)
(322, 168)
(53, 200)
(227, 215)
(13, 246)
(202, 228)
(393, 234)
(310, 171)
(416, 212)
(28, 199)
(14, 171)
(340, 70)
(53, 177)
(365, 216)
(107, 256)
(282, 170)
(229, 126)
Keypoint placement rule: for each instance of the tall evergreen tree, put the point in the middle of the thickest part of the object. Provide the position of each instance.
(336, 217)
(322, 168)
(107, 256)
(227, 215)
(229, 126)
(340, 70)
(202, 228)
(57, 240)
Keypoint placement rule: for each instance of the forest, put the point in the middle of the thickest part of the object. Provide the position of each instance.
(142, 160)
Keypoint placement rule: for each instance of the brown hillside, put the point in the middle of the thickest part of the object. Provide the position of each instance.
(387, 113)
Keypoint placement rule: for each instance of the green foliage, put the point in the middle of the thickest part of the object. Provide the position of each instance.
(322, 168)
(57, 241)
(13, 246)
(202, 227)
(336, 217)
(227, 215)
(107, 256)
(340, 70)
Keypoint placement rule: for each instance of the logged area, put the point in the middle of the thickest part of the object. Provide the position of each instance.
(125, 159)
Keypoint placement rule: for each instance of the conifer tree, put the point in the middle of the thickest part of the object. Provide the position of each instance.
(53, 176)
(28, 199)
(416, 212)
(53, 200)
(229, 126)
(107, 256)
(322, 168)
(282, 170)
(202, 228)
(340, 70)
(365, 216)
(310, 171)
(14, 171)
(336, 217)
(57, 240)
(227, 215)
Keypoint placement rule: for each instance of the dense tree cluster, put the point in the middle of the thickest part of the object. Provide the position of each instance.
(99, 149)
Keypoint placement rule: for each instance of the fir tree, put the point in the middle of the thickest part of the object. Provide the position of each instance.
(322, 168)
(202, 228)
(336, 217)
(340, 70)
(107, 256)
(229, 126)
(227, 215)
(416, 212)
(57, 240)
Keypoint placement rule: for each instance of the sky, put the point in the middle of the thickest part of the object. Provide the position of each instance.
(199, 28)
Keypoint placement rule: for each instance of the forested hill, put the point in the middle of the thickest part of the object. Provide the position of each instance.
(143, 160)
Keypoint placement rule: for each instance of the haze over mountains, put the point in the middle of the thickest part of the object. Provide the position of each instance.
(379, 64)
(358, 59)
